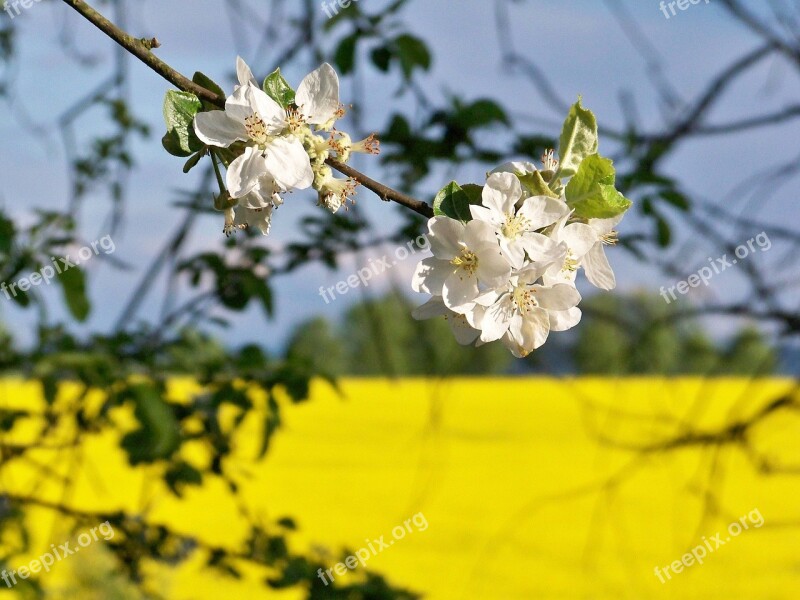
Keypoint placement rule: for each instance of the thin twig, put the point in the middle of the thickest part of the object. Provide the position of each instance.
(143, 52)
(386, 193)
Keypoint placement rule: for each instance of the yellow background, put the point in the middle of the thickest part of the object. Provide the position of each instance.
(532, 488)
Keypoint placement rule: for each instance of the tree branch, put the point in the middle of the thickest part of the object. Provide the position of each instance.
(141, 49)
(386, 193)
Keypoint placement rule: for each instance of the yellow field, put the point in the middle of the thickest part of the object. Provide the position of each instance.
(531, 488)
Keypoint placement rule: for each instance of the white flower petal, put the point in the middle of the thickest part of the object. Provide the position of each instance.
(481, 213)
(542, 211)
(272, 113)
(541, 248)
(249, 100)
(478, 233)
(501, 192)
(561, 296)
(430, 275)
(244, 73)
(598, 270)
(530, 331)
(464, 333)
(459, 289)
(557, 274)
(260, 218)
(493, 268)
(432, 308)
(444, 236)
(603, 226)
(514, 251)
(288, 163)
(579, 237)
(318, 95)
(497, 319)
(515, 167)
(244, 172)
(262, 196)
(216, 128)
(562, 320)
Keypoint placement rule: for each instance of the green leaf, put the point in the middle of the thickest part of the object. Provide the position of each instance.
(535, 184)
(453, 201)
(73, 284)
(172, 144)
(208, 83)
(474, 192)
(578, 139)
(180, 109)
(158, 434)
(591, 192)
(279, 89)
(412, 53)
(193, 161)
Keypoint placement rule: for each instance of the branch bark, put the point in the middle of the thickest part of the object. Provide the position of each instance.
(142, 49)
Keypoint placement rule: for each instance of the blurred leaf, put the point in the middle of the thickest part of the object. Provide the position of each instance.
(73, 284)
(412, 52)
(345, 55)
(158, 435)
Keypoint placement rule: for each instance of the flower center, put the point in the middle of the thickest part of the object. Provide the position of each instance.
(515, 226)
(295, 118)
(468, 261)
(549, 161)
(524, 299)
(256, 129)
(610, 238)
(570, 262)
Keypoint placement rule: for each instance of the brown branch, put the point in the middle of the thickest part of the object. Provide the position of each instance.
(386, 193)
(141, 49)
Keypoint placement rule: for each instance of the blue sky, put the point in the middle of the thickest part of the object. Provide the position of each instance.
(579, 43)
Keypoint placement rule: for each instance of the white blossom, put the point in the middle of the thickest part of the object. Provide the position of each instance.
(517, 229)
(466, 261)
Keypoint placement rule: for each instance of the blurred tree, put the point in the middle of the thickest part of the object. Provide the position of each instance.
(316, 343)
(639, 335)
(358, 346)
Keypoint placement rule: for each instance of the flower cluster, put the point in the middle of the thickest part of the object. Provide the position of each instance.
(276, 141)
(508, 272)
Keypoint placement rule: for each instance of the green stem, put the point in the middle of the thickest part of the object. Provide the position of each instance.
(220, 180)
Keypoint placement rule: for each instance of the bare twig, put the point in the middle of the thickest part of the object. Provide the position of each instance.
(142, 50)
